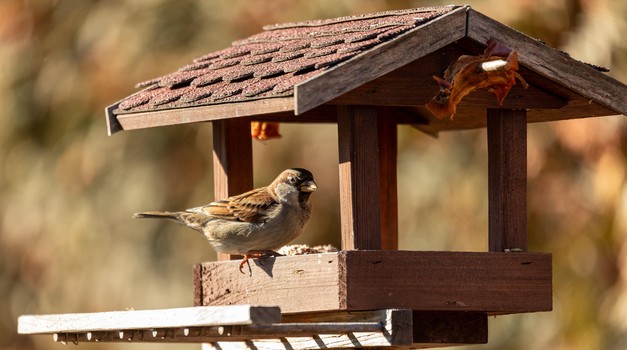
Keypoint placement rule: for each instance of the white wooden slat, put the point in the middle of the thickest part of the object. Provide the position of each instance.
(198, 316)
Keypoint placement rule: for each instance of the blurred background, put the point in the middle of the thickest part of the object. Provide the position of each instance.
(67, 190)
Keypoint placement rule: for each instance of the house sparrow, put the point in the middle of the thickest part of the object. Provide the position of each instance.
(253, 224)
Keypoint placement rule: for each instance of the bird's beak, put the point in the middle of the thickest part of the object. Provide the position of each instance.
(308, 186)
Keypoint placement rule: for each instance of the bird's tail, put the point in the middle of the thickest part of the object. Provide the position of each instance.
(174, 216)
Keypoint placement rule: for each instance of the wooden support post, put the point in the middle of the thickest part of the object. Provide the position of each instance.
(507, 179)
(388, 149)
(363, 158)
(232, 160)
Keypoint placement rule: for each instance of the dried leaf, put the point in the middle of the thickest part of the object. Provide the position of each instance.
(264, 130)
(469, 73)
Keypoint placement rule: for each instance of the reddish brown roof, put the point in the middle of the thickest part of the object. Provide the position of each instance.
(270, 63)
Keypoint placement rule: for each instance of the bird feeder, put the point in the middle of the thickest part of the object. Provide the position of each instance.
(367, 74)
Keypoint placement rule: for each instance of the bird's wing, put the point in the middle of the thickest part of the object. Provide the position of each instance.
(252, 206)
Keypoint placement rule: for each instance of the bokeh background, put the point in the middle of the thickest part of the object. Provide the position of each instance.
(67, 190)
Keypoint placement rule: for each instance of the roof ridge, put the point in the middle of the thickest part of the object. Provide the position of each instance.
(328, 21)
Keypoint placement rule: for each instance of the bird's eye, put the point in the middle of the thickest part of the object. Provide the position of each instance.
(291, 179)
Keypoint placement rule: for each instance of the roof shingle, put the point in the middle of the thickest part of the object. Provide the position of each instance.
(270, 63)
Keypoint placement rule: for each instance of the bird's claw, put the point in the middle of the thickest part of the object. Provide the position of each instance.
(245, 261)
(260, 255)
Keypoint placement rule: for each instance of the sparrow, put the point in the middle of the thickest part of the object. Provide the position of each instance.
(254, 224)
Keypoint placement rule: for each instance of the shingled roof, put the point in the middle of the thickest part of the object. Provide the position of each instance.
(385, 58)
(270, 63)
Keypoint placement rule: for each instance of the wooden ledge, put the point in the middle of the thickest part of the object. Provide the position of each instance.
(149, 319)
(491, 283)
(245, 327)
(231, 327)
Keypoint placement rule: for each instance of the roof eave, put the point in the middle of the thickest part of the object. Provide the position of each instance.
(113, 125)
(142, 120)
(551, 63)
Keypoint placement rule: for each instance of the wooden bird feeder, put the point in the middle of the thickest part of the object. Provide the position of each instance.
(367, 74)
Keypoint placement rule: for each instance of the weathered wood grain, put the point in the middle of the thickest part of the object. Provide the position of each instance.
(146, 319)
(142, 120)
(387, 57)
(388, 149)
(507, 180)
(299, 284)
(232, 160)
(492, 283)
(551, 63)
(360, 179)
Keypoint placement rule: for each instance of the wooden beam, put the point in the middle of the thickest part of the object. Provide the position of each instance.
(360, 189)
(491, 283)
(507, 180)
(232, 160)
(142, 120)
(387, 57)
(141, 319)
(388, 149)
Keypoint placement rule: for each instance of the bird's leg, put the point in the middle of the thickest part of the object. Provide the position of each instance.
(262, 254)
(245, 261)
(259, 254)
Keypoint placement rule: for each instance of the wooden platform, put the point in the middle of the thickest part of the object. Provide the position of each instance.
(246, 327)
(491, 283)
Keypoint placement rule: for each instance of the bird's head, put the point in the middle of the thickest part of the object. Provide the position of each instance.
(294, 184)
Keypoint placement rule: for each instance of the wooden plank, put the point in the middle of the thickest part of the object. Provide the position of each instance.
(142, 120)
(391, 328)
(388, 148)
(300, 284)
(360, 190)
(492, 283)
(339, 316)
(385, 58)
(507, 180)
(232, 160)
(475, 118)
(328, 114)
(142, 319)
(551, 63)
